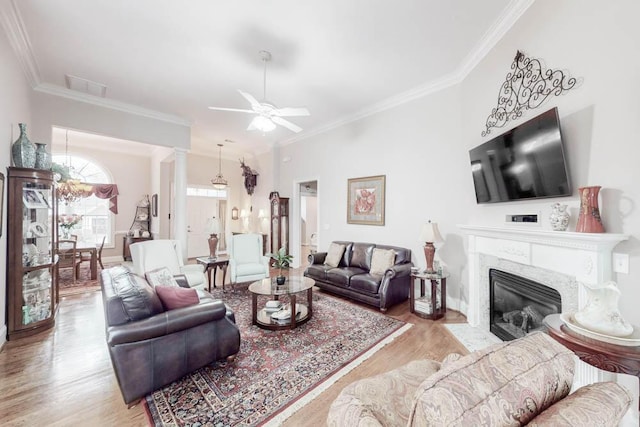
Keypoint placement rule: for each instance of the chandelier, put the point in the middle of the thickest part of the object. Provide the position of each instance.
(71, 191)
(68, 189)
(219, 182)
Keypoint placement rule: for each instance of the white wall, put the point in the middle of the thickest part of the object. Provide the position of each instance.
(14, 108)
(596, 42)
(417, 146)
(422, 147)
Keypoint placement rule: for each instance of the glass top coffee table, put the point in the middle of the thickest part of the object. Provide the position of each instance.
(278, 319)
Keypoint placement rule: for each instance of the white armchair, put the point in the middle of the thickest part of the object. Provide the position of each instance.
(247, 263)
(152, 254)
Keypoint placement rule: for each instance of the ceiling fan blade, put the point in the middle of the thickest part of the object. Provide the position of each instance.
(239, 110)
(291, 112)
(254, 102)
(286, 123)
(251, 126)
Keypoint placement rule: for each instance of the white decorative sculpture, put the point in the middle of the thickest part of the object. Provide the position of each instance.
(601, 313)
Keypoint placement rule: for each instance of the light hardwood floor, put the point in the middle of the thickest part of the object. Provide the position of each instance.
(63, 377)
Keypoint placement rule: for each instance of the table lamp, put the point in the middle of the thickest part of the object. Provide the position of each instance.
(213, 227)
(430, 235)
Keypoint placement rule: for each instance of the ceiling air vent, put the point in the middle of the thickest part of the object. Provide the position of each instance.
(86, 86)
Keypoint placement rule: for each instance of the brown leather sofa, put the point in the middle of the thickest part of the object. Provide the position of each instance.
(150, 347)
(352, 279)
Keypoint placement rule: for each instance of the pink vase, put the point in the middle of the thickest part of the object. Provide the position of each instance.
(589, 220)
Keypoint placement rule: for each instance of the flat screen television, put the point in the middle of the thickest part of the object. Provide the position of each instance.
(526, 162)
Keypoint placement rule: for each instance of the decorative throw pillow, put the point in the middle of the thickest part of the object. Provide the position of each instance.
(334, 254)
(161, 277)
(177, 297)
(381, 260)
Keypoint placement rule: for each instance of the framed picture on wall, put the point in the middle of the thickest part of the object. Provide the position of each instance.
(366, 200)
(154, 205)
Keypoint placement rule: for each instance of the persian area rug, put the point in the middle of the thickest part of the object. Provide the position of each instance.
(276, 372)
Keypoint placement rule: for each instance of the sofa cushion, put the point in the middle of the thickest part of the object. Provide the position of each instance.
(380, 400)
(365, 282)
(381, 260)
(403, 255)
(334, 254)
(598, 404)
(161, 277)
(340, 276)
(138, 299)
(504, 384)
(175, 297)
(361, 257)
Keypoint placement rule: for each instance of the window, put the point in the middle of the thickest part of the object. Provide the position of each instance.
(206, 192)
(97, 219)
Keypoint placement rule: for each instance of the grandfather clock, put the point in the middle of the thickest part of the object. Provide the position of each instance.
(279, 222)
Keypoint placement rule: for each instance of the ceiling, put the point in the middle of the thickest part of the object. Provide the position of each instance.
(341, 59)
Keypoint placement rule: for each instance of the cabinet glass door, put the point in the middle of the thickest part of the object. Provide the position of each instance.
(37, 238)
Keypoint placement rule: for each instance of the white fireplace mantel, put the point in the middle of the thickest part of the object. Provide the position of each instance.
(585, 257)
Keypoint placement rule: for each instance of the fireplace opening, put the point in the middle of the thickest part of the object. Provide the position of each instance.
(518, 305)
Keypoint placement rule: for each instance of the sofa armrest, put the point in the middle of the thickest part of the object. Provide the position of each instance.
(317, 258)
(398, 270)
(598, 404)
(166, 323)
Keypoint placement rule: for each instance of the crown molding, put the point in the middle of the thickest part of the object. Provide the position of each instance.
(493, 35)
(509, 16)
(13, 25)
(55, 90)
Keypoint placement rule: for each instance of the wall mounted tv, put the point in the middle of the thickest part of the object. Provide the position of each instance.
(526, 162)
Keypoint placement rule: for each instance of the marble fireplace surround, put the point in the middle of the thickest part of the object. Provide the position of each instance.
(558, 259)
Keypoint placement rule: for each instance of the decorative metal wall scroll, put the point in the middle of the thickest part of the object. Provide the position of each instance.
(526, 87)
(250, 177)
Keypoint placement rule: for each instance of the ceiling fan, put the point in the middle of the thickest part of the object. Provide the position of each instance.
(267, 114)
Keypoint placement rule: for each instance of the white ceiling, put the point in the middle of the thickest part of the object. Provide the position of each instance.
(340, 58)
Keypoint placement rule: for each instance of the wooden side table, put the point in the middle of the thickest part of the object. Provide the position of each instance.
(602, 355)
(438, 287)
(212, 264)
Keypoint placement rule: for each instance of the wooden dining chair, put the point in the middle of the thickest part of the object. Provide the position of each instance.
(68, 257)
(86, 256)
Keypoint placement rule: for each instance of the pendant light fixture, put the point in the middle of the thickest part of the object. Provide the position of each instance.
(219, 182)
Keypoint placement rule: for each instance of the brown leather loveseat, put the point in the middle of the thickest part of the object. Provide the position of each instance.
(359, 276)
(150, 347)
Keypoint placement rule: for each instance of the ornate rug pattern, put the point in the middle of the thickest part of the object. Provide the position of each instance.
(273, 368)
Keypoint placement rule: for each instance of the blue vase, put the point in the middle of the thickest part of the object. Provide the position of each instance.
(43, 159)
(23, 151)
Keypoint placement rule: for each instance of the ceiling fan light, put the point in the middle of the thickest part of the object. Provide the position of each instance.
(263, 124)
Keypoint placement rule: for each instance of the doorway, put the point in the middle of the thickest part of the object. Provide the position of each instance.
(308, 219)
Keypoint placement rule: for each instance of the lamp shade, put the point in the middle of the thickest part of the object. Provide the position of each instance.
(262, 214)
(213, 225)
(244, 214)
(430, 233)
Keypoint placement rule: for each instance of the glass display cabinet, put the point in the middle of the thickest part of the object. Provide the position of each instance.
(32, 288)
(279, 222)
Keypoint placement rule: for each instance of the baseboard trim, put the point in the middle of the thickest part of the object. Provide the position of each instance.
(3, 336)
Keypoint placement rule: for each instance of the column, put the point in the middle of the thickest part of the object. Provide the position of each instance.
(180, 220)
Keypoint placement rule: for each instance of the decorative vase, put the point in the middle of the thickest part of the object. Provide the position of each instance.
(213, 245)
(66, 233)
(43, 159)
(601, 313)
(589, 220)
(559, 217)
(23, 151)
(280, 280)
